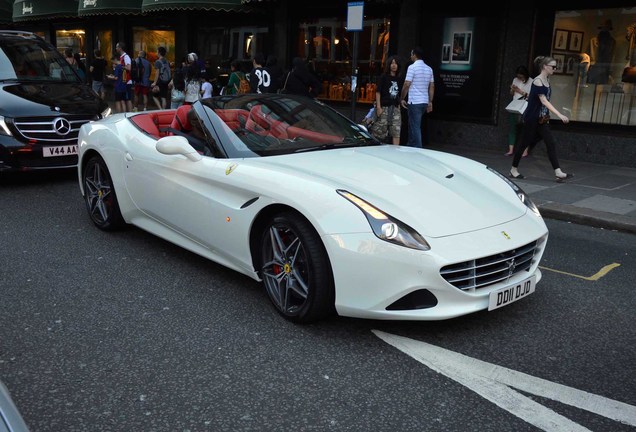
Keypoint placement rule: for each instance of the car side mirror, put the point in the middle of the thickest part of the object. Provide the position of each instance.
(174, 145)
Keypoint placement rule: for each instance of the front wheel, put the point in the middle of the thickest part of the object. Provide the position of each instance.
(99, 195)
(295, 269)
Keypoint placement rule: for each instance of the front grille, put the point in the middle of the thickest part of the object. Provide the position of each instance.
(50, 129)
(483, 272)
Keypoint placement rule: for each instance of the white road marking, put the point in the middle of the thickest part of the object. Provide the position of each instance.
(493, 383)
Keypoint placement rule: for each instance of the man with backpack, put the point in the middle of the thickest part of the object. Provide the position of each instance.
(163, 76)
(124, 60)
(140, 71)
(237, 84)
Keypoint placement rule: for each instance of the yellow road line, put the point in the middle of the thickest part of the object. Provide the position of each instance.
(599, 274)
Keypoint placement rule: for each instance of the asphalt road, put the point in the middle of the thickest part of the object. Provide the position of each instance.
(126, 332)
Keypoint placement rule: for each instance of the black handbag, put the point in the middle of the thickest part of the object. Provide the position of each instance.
(283, 90)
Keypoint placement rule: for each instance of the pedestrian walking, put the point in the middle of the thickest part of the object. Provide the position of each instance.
(143, 70)
(126, 63)
(163, 75)
(519, 89)
(536, 119)
(419, 89)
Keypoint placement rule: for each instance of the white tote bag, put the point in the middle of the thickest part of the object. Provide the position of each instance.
(517, 106)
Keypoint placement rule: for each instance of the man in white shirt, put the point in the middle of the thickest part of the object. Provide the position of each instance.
(420, 87)
(124, 60)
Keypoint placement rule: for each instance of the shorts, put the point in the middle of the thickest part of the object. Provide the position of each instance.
(129, 92)
(389, 123)
(163, 90)
(141, 89)
(121, 96)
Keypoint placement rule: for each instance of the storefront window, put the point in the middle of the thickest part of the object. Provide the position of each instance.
(247, 41)
(596, 53)
(328, 46)
(104, 43)
(74, 39)
(150, 40)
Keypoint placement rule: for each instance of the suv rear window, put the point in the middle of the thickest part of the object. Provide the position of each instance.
(29, 58)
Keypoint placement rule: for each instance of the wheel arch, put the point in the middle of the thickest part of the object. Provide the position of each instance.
(266, 214)
(326, 305)
(82, 165)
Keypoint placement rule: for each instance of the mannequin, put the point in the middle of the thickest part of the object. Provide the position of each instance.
(581, 70)
(383, 44)
(602, 49)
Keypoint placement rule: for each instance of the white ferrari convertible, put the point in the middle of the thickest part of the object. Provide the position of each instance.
(291, 193)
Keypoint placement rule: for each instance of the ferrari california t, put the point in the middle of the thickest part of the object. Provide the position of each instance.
(290, 192)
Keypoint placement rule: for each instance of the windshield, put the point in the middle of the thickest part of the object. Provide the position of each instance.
(33, 59)
(274, 124)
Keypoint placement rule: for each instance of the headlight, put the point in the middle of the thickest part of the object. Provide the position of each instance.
(520, 193)
(106, 112)
(387, 228)
(4, 129)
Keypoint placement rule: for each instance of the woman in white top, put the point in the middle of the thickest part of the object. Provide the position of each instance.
(520, 88)
(193, 85)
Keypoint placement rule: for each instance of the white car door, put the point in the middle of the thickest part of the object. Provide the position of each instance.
(173, 190)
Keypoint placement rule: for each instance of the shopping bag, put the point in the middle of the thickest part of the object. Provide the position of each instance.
(517, 106)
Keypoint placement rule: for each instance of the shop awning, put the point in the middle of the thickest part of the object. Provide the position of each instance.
(216, 5)
(109, 7)
(27, 10)
(6, 11)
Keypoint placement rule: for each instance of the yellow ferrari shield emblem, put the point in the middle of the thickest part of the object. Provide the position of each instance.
(505, 234)
(230, 168)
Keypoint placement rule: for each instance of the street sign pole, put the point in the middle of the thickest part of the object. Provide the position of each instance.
(354, 76)
(355, 18)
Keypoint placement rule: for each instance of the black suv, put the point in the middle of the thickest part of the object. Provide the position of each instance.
(43, 103)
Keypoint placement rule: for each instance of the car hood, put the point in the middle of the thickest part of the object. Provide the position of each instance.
(40, 99)
(438, 194)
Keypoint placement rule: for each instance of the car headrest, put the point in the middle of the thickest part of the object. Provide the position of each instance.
(180, 121)
(258, 116)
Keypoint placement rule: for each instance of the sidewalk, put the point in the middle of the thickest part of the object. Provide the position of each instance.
(603, 196)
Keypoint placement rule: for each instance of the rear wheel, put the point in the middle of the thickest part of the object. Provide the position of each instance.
(99, 195)
(296, 270)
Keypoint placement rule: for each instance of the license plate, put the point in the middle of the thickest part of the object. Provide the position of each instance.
(511, 294)
(65, 150)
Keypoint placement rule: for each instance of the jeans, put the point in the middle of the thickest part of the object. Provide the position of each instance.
(416, 111)
(97, 87)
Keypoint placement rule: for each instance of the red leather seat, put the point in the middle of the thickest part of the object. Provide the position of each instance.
(180, 121)
(266, 123)
(234, 118)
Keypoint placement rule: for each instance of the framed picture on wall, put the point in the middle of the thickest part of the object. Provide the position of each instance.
(462, 44)
(576, 41)
(560, 40)
(560, 59)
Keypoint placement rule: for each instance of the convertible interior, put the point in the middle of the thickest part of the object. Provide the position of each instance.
(163, 123)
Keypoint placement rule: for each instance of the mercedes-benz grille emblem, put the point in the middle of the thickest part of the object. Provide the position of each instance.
(61, 126)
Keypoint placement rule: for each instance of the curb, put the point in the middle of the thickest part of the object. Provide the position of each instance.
(590, 217)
